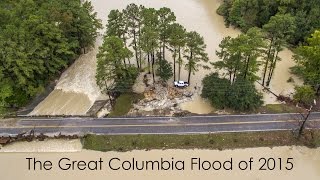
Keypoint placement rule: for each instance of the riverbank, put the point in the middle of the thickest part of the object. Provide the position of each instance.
(124, 143)
(220, 141)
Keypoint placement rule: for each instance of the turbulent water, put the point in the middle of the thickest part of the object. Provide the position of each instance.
(77, 91)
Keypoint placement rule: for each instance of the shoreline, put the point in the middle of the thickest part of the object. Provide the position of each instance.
(217, 141)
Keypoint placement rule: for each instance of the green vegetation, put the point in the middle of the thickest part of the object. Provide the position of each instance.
(241, 95)
(38, 39)
(208, 141)
(239, 55)
(278, 108)
(150, 33)
(304, 95)
(308, 59)
(112, 65)
(195, 47)
(123, 104)
(165, 72)
(246, 14)
(239, 62)
(281, 23)
(278, 31)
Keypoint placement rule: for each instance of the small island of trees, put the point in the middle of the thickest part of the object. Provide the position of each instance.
(150, 33)
(148, 36)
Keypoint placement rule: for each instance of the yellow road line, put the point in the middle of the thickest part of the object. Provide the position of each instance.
(157, 125)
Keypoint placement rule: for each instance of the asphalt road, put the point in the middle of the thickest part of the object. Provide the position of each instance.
(158, 125)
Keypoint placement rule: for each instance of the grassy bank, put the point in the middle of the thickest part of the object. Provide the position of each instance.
(124, 104)
(208, 141)
(278, 108)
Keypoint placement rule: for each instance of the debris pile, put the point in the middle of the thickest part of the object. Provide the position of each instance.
(161, 100)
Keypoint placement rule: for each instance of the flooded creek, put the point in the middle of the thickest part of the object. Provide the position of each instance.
(77, 84)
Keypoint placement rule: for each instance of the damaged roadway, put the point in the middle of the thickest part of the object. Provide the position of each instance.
(156, 125)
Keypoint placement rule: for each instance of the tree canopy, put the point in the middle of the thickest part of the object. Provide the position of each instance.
(150, 33)
(240, 96)
(308, 59)
(250, 13)
(38, 39)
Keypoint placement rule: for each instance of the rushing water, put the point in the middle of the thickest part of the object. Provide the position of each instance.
(77, 91)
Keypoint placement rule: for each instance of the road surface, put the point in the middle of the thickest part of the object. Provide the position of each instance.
(158, 125)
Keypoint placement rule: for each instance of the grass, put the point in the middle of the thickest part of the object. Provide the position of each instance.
(278, 108)
(208, 141)
(124, 104)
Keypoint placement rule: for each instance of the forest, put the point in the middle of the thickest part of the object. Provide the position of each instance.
(283, 23)
(38, 40)
(246, 14)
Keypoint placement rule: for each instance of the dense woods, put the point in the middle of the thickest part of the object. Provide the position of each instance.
(143, 39)
(246, 14)
(38, 39)
(269, 27)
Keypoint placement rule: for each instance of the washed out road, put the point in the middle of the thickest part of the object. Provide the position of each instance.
(158, 125)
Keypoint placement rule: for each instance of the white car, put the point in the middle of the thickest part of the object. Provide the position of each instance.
(181, 84)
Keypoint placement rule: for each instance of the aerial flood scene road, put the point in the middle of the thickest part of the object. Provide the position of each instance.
(211, 89)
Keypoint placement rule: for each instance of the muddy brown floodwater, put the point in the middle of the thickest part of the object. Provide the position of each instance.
(77, 91)
(306, 162)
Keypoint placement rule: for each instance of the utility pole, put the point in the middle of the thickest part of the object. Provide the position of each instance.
(305, 119)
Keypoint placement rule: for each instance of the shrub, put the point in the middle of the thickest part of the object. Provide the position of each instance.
(239, 96)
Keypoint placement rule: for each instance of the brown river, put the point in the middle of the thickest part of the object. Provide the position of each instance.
(76, 90)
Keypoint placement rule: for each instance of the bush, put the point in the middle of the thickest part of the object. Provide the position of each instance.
(214, 89)
(304, 95)
(165, 72)
(243, 96)
(239, 96)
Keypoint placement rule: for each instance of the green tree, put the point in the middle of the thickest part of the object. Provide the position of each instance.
(134, 22)
(166, 18)
(308, 59)
(243, 13)
(239, 55)
(279, 29)
(239, 96)
(5, 92)
(195, 50)
(88, 26)
(254, 46)
(243, 96)
(110, 67)
(165, 73)
(214, 89)
(150, 37)
(177, 41)
(116, 25)
(249, 13)
(38, 39)
(304, 95)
